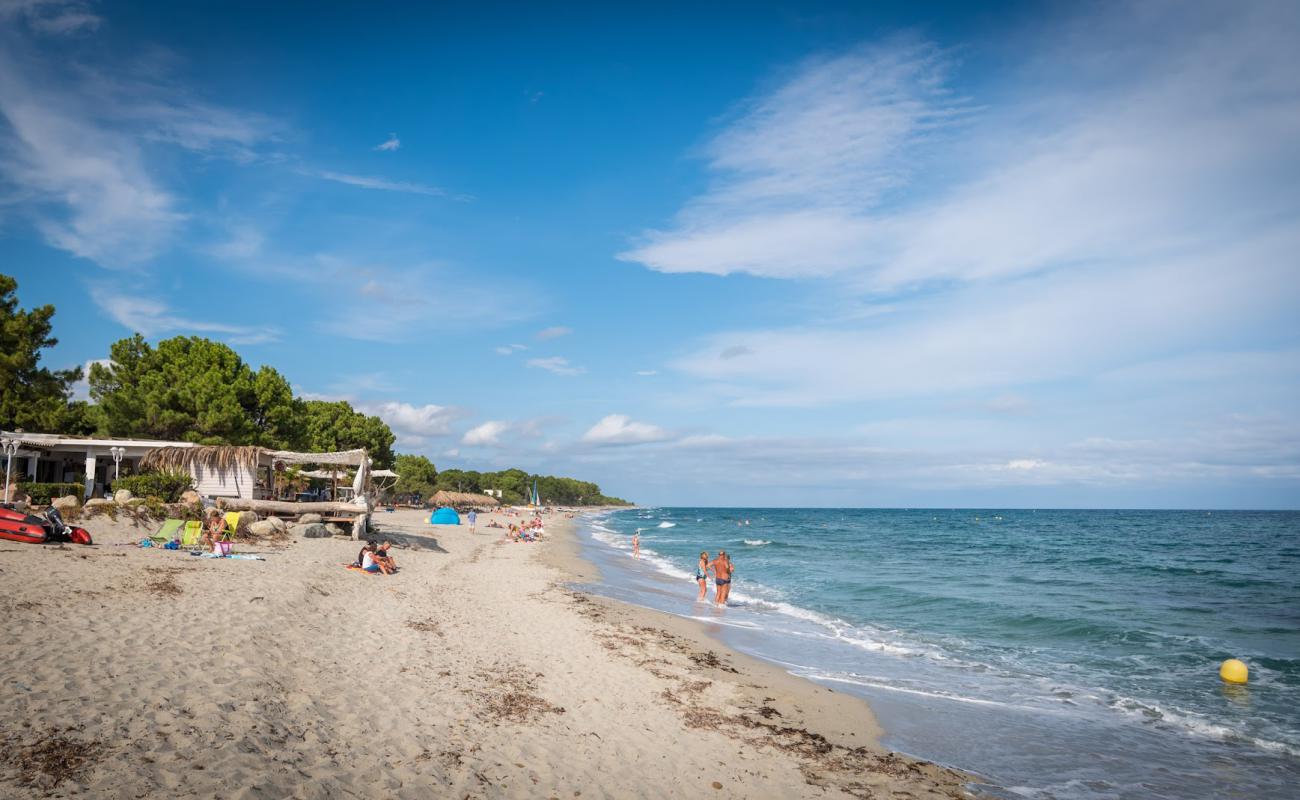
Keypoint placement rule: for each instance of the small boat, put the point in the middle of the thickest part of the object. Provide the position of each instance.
(31, 529)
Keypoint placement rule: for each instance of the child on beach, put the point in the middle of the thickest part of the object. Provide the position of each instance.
(702, 575)
(368, 561)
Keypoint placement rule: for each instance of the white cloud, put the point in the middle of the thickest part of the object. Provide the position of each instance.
(389, 145)
(151, 317)
(412, 421)
(554, 332)
(486, 435)
(556, 364)
(620, 429)
(383, 184)
(647, 372)
(55, 17)
(78, 148)
(509, 349)
(1170, 128)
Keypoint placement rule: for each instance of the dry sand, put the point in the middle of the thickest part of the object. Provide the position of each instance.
(474, 672)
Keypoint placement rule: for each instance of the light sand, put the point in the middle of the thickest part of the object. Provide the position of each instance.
(473, 672)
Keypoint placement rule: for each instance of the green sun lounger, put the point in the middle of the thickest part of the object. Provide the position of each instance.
(171, 529)
(193, 533)
(232, 522)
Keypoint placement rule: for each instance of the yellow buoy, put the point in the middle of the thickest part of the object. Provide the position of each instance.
(1233, 671)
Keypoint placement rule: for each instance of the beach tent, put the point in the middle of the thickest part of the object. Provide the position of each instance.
(445, 516)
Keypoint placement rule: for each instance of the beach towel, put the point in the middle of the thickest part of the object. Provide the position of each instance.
(193, 532)
(231, 557)
(170, 530)
(232, 522)
(355, 568)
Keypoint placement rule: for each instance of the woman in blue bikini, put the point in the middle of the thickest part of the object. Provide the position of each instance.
(702, 575)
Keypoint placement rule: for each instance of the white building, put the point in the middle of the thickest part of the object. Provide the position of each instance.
(51, 458)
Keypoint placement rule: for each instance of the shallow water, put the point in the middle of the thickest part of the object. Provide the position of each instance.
(1060, 654)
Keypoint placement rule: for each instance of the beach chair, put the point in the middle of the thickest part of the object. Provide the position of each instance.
(232, 522)
(193, 533)
(170, 529)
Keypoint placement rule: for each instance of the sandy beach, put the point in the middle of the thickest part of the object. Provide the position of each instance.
(473, 672)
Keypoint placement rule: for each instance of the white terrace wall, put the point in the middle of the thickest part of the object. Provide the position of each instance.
(232, 482)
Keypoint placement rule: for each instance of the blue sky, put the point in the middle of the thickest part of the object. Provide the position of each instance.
(786, 254)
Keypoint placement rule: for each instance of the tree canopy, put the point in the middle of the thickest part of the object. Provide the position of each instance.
(32, 397)
(337, 425)
(192, 389)
(416, 475)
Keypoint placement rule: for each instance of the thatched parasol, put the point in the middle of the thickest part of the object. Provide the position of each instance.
(463, 499)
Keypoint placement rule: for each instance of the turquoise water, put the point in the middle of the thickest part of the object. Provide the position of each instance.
(1059, 654)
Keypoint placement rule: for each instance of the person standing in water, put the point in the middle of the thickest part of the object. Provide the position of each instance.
(702, 575)
(721, 567)
(636, 544)
(731, 576)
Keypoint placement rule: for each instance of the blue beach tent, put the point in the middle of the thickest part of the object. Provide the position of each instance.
(445, 516)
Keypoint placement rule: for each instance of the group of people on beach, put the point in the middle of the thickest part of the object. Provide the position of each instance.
(375, 558)
(529, 531)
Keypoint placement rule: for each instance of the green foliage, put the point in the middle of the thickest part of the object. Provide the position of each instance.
(416, 475)
(194, 390)
(32, 397)
(43, 493)
(167, 486)
(516, 486)
(328, 426)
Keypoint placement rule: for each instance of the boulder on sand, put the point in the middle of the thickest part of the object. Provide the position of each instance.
(97, 502)
(307, 519)
(277, 523)
(313, 530)
(263, 528)
(68, 502)
(336, 530)
(190, 497)
(122, 497)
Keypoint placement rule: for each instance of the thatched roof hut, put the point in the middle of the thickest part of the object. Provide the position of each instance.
(464, 500)
(218, 458)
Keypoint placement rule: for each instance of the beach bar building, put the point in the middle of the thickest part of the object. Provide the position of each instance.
(53, 458)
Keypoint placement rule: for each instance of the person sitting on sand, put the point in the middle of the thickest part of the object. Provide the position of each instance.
(721, 567)
(382, 556)
(368, 561)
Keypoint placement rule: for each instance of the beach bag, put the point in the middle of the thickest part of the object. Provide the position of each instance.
(224, 548)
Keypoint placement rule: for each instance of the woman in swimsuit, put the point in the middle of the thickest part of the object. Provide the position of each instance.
(702, 575)
(636, 544)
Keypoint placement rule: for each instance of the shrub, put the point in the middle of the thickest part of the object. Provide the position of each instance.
(43, 493)
(167, 486)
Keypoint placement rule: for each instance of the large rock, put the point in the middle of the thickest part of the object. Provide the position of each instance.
(277, 523)
(307, 519)
(66, 503)
(98, 502)
(313, 530)
(263, 528)
(336, 530)
(122, 497)
(191, 498)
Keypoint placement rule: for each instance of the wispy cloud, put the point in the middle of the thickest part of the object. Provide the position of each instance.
(79, 147)
(382, 184)
(553, 332)
(54, 17)
(389, 145)
(556, 364)
(152, 317)
(620, 429)
(645, 373)
(509, 349)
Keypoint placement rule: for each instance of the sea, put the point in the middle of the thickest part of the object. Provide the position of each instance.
(1055, 654)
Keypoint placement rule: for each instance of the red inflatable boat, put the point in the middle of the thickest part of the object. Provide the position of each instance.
(30, 529)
